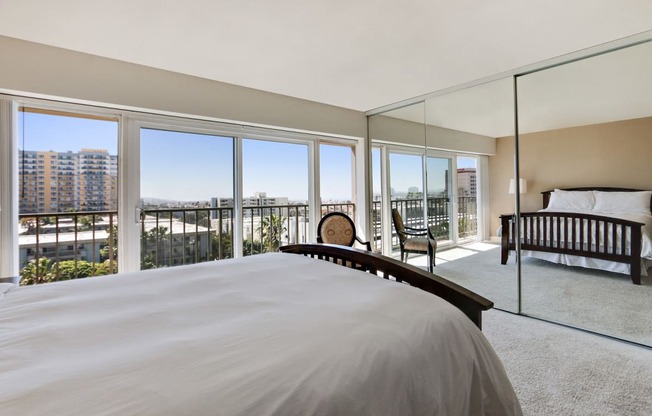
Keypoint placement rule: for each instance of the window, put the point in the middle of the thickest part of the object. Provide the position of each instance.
(209, 190)
(69, 212)
(186, 188)
(336, 178)
(275, 184)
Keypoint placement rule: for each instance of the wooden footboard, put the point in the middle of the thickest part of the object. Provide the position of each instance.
(576, 234)
(468, 302)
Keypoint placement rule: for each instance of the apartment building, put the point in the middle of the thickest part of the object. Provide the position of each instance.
(467, 182)
(51, 181)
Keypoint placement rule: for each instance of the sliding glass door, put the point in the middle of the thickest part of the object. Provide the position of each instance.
(440, 198)
(406, 191)
(67, 195)
(186, 197)
(275, 194)
(467, 198)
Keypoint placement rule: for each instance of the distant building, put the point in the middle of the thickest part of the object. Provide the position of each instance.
(259, 199)
(467, 182)
(60, 181)
(181, 242)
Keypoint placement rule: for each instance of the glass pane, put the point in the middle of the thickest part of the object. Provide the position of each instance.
(376, 210)
(587, 125)
(439, 209)
(474, 121)
(336, 179)
(406, 189)
(275, 195)
(68, 185)
(186, 186)
(467, 203)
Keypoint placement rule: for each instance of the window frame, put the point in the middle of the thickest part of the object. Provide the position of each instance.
(129, 124)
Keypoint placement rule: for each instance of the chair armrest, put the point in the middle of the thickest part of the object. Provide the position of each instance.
(414, 232)
(365, 243)
(416, 229)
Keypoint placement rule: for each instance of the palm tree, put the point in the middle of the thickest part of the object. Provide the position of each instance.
(271, 231)
(36, 272)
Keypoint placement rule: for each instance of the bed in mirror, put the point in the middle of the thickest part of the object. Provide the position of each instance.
(583, 127)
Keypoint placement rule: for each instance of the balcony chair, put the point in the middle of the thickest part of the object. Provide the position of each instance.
(414, 240)
(338, 228)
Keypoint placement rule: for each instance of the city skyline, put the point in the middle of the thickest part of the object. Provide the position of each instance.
(183, 166)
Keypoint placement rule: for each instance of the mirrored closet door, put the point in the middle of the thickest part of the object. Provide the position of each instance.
(585, 133)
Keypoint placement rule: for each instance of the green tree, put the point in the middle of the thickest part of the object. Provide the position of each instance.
(249, 247)
(271, 231)
(29, 224)
(106, 267)
(36, 272)
(222, 245)
(67, 270)
(109, 250)
(153, 241)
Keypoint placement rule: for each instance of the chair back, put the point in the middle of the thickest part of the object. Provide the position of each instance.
(336, 228)
(398, 225)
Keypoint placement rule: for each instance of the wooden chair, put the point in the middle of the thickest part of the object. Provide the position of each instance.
(414, 240)
(338, 228)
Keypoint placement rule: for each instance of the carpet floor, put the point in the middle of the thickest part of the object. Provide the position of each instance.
(560, 371)
(603, 302)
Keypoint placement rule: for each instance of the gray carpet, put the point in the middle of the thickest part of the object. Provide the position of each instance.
(603, 302)
(561, 371)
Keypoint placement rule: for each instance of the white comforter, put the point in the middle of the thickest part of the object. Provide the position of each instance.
(275, 334)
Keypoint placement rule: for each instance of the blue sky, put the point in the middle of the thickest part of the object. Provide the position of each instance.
(189, 167)
(406, 171)
(195, 167)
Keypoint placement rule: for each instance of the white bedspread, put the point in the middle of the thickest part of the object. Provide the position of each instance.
(274, 334)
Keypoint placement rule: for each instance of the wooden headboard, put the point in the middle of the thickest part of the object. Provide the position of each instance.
(546, 194)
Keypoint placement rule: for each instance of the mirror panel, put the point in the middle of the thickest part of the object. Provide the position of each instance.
(398, 140)
(587, 123)
(472, 131)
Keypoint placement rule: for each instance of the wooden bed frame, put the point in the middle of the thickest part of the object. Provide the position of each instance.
(541, 226)
(468, 302)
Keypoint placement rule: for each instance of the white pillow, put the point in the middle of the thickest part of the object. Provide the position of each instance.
(623, 202)
(571, 200)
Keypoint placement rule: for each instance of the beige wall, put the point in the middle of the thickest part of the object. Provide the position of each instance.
(615, 154)
(36, 68)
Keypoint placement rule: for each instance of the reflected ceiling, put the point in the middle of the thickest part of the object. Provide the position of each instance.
(584, 92)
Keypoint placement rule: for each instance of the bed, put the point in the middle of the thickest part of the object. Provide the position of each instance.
(593, 227)
(272, 334)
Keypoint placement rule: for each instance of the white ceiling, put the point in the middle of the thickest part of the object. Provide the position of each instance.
(354, 54)
(600, 89)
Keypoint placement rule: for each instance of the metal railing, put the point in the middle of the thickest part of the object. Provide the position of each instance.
(438, 208)
(177, 236)
(60, 246)
(71, 245)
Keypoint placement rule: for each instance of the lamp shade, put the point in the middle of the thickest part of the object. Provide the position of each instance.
(522, 186)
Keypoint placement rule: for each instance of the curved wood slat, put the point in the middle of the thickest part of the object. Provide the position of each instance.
(467, 301)
(597, 226)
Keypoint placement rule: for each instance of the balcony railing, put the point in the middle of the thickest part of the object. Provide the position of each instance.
(412, 212)
(60, 246)
(177, 236)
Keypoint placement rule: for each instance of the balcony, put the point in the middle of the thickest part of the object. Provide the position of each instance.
(412, 212)
(61, 246)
